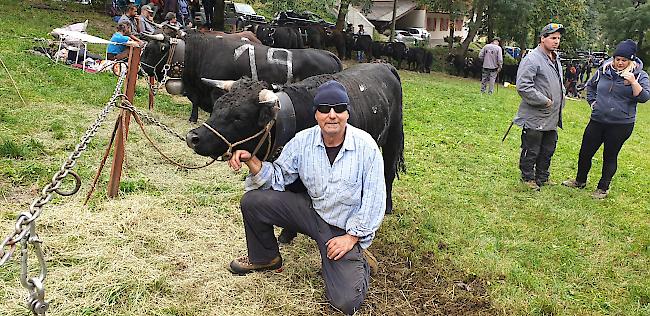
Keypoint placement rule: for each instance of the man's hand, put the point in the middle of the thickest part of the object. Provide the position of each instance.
(337, 247)
(237, 157)
(549, 103)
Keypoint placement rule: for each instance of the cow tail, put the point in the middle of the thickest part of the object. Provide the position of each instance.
(398, 129)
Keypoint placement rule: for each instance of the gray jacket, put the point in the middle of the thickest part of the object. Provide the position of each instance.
(492, 56)
(539, 81)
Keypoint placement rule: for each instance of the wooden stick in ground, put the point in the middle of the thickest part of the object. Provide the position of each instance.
(123, 128)
(151, 95)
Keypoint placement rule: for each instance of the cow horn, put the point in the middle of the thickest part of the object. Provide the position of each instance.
(267, 96)
(221, 84)
(157, 37)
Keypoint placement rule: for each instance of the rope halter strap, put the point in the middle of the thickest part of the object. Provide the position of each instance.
(265, 132)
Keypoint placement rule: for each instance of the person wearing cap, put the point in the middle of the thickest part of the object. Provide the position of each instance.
(492, 57)
(145, 20)
(342, 169)
(613, 93)
(541, 87)
(171, 25)
(360, 32)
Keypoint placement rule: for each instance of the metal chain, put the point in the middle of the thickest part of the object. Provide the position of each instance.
(130, 107)
(25, 228)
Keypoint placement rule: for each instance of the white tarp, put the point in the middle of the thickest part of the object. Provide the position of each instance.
(75, 35)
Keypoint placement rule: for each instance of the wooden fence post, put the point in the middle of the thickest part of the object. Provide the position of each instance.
(123, 124)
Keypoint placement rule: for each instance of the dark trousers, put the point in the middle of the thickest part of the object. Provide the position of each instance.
(537, 148)
(613, 136)
(346, 279)
(208, 8)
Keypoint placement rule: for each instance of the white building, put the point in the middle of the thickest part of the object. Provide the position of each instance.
(409, 14)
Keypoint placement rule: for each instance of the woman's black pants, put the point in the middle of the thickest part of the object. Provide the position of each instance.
(613, 136)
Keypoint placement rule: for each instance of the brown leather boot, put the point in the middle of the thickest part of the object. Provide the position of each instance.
(372, 261)
(572, 183)
(243, 265)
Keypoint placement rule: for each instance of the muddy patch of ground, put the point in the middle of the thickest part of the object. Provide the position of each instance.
(431, 287)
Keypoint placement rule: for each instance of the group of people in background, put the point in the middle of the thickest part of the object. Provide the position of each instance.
(160, 11)
(576, 72)
(613, 93)
(131, 25)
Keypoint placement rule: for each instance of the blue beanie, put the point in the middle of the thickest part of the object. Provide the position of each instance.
(627, 49)
(331, 93)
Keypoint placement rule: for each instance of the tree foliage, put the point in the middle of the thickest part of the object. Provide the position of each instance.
(620, 20)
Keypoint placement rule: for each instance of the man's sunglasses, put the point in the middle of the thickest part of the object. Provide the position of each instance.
(325, 109)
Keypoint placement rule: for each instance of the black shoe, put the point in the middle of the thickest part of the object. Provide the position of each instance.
(286, 236)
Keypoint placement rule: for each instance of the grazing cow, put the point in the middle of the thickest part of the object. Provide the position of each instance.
(200, 55)
(375, 106)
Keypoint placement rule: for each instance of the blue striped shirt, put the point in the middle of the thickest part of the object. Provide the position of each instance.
(349, 194)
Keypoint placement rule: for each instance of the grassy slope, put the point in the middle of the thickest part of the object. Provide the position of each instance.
(556, 251)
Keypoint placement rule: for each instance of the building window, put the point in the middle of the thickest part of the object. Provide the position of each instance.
(431, 24)
(459, 25)
(444, 24)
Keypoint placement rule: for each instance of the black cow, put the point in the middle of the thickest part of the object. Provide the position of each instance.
(315, 35)
(415, 59)
(214, 57)
(379, 49)
(428, 61)
(375, 106)
(336, 39)
(397, 51)
(508, 73)
(358, 43)
(465, 66)
(280, 36)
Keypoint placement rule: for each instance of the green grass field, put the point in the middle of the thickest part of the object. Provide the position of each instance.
(461, 214)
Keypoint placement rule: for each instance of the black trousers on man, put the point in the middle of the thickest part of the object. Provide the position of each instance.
(346, 279)
(537, 148)
(613, 136)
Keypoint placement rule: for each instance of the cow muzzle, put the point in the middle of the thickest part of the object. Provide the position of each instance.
(192, 139)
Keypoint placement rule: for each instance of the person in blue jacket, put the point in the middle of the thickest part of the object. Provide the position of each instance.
(613, 93)
(117, 49)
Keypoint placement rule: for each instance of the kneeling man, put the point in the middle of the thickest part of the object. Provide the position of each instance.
(342, 169)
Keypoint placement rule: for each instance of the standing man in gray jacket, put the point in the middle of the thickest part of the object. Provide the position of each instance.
(492, 57)
(539, 83)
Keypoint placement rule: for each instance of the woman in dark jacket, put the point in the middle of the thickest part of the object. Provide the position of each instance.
(613, 93)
